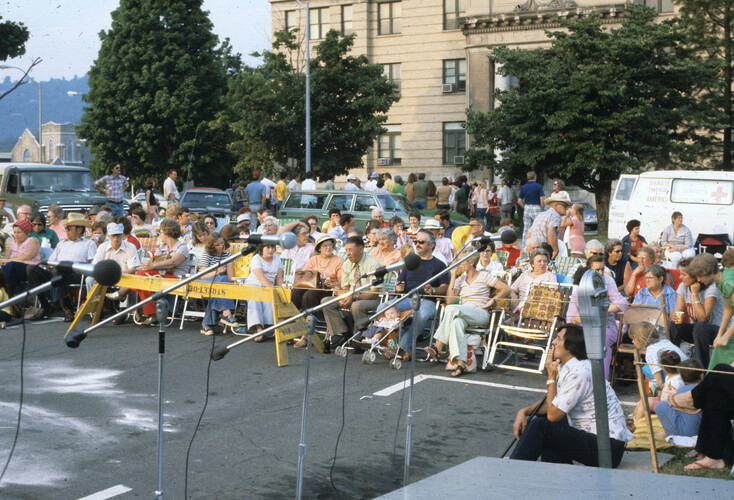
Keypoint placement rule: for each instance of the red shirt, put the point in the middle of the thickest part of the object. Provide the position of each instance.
(136, 242)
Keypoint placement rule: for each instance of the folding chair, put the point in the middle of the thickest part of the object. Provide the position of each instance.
(566, 265)
(635, 314)
(289, 271)
(545, 305)
(712, 243)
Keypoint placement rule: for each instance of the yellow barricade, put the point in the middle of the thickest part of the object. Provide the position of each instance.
(279, 297)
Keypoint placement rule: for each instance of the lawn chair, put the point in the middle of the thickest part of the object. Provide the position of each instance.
(635, 314)
(544, 309)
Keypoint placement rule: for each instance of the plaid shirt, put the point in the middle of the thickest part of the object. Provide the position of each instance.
(114, 186)
(542, 223)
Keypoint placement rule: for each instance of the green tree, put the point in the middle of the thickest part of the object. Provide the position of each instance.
(349, 97)
(159, 79)
(710, 28)
(596, 104)
(13, 37)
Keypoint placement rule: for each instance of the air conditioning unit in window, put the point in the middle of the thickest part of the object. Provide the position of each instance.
(447, 88)
(384, 162)
(458, 160)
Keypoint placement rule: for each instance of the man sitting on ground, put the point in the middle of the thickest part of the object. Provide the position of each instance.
(565, 426)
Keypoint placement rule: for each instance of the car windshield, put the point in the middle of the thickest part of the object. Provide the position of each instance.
(50, 181)
(394, 203)
(207, 199)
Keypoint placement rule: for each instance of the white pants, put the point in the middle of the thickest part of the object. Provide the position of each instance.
(451, 330)
(674, 257)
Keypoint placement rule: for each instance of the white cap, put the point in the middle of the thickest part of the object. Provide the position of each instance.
(350, 177)
(113, 229)
(242, 217)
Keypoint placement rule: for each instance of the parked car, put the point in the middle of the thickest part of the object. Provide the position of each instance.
(162, 203)
(40, 185)
(299, 204)
(208, 200)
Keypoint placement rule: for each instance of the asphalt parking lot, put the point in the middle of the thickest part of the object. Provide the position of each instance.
(89, 418)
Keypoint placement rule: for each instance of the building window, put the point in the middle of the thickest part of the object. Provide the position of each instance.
(390, 146)
(454, 73)
(69, 152)
(27, 155)
(319, 23)
(661, 6)
(452, 11)
(392, 73)
(389, 17)
(347, 20)
(454, 142)
(51, 156)
(291, 21)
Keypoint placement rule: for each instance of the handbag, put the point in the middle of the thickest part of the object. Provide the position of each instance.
(306, 279)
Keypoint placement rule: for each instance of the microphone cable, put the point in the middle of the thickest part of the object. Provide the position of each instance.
(341, 429)
(20, 404)
(206, 395)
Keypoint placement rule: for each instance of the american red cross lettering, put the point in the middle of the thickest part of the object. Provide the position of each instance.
(719, 194)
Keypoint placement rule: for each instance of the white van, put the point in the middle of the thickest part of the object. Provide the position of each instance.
(705, 198)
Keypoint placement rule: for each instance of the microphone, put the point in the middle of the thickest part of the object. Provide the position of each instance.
(74, 338)
(104, 272)
(286, 240)
(506, 237)
(411, 263)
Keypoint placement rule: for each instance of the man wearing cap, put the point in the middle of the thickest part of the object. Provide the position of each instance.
(6, 216)
(444, 246)
(545, 226)
(170, 191)
(75, 248)
(113, 185)
(371, 184)
(351, 186)
(122, 252)
(256, 193)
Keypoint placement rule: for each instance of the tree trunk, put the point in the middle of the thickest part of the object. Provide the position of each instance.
(603, 196)
(727, 90)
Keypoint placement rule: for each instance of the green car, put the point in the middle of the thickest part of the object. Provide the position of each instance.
(299, 204)
(40, 185)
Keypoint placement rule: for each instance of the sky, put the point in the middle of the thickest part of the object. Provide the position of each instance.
(65, 33)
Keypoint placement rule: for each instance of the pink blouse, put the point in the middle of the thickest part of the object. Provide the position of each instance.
(18, 250)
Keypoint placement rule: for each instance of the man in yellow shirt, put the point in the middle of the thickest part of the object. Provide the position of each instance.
(280, 191)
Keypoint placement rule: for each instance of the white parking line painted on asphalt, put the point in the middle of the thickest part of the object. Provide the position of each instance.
(419, 378)
(108, 493)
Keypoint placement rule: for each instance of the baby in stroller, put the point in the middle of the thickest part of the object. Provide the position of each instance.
(388, 321)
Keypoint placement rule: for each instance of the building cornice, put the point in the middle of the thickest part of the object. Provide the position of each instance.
(535, 16)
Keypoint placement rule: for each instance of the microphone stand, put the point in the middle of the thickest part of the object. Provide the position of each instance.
(74, 339)
(161, 311)
(54, 282)
(414, 294)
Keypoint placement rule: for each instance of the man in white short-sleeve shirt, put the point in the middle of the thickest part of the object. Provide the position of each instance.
(565, 426)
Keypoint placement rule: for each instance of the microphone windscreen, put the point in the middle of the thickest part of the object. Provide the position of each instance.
(74, 338)
(288, 240)
(219, 352)
(508, 237)
(412, 261)
(107, 272)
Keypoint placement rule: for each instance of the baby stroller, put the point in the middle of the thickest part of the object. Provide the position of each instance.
(387, 345)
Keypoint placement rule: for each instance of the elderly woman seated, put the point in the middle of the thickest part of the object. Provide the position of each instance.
(473, 289)
(539, 261)
(265, 271)
(386, 253)
(656, 291)
(303, 249)
(23, 250)
(617, 303)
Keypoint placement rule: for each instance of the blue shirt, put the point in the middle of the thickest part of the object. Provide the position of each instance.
(254, 192)
(424, 272)
(531, 192)
(644, 297)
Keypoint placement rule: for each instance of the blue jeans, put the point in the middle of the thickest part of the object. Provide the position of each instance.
(425, 314)
(118, 209)
(420, 205)
(216, 305)
(677, 423)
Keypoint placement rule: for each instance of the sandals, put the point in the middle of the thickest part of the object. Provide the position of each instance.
(698, 465)
(259, 338)
(434, 353)
(460, 370)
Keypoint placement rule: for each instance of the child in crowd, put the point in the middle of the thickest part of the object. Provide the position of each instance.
(673, 382)
(677, 421)
(389, 320)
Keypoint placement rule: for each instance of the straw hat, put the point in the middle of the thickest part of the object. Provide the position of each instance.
(74, 219)
(323, 238)
(556, 198)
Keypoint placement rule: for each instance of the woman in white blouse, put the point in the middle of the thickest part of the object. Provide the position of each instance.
(266, 271)
(473, 289)
(303, 249)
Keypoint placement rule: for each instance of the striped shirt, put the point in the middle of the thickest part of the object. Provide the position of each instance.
(207, 260)
(114, 185)
(477, 292)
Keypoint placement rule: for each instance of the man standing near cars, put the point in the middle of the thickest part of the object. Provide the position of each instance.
(281, 189)
(170, 191)
(505, 199)
(351, 186)
(420, 192)
(270, 191)
(532, 200)
(256, 193)
(113, 185)
(545, 227)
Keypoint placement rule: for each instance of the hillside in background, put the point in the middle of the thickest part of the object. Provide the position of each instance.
(19, 110)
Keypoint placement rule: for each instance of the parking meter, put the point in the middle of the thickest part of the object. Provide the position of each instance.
(593, 310)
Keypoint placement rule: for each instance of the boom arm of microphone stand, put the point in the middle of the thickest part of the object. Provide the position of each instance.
(245, 251)
(422, 285)
(55, 281)
(220, 352)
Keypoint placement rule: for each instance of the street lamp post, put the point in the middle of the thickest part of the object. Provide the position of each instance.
(308, 84)
(40, 102)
